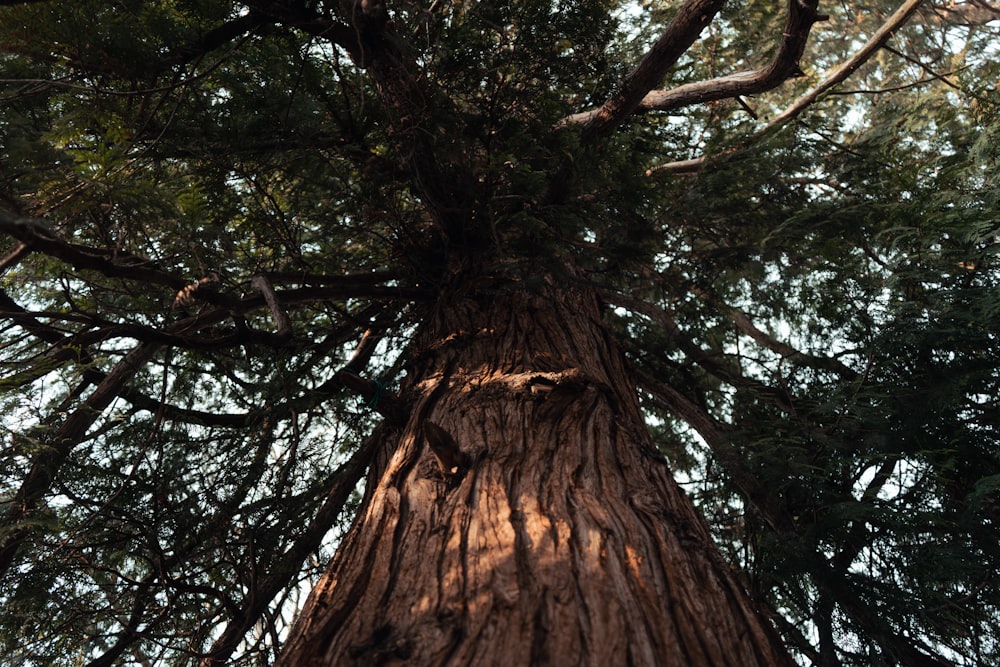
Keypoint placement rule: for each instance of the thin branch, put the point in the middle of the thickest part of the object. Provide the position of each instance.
(20, 251)
(710, 363)
(972, 13)
(934, 75)
(185, 415)
(717, 439)
(181, 333)
(45, 465)
(36, 234)
(301, 278)
(281, 574)
(786, 351)
(239, 28)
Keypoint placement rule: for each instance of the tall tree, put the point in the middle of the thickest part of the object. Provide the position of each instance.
(585, 333)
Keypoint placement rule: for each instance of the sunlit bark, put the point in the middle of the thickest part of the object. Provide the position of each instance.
(524, 517)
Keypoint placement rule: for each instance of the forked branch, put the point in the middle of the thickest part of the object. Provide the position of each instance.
(783, 66)
(637, 94)
(832, 78)
(681, 33)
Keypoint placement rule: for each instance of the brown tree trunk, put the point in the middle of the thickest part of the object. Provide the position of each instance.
(524, 516)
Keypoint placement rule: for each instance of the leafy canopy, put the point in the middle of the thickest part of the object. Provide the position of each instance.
(809, 300)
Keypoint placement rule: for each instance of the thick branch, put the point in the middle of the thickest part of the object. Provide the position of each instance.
(833, 78)
(386, 403)
(181, 334)
(38, 236)
(20, 251)
(296, 15)
(214, 39)
(881, 36)
(636, 95)
(783, 66)
(680, 34)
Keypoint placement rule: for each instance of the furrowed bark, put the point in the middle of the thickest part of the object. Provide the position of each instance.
(552, 532)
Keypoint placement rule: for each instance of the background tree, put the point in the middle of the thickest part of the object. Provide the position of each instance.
(505, 258)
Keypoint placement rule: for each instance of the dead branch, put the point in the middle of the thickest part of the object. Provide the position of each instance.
(281, 321)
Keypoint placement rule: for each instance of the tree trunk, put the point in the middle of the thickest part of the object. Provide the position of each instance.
(523, 516)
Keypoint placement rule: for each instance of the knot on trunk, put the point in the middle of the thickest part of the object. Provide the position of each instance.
(450, 457)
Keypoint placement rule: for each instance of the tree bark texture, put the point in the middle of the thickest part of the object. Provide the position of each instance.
(523, 515)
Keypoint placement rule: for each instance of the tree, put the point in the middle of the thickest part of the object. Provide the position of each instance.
(472, 258)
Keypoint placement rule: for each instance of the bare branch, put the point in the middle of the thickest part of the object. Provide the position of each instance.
(943, 78)
(277, 312)
(637, 94)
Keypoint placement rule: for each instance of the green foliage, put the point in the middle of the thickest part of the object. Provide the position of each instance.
(824, 298)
